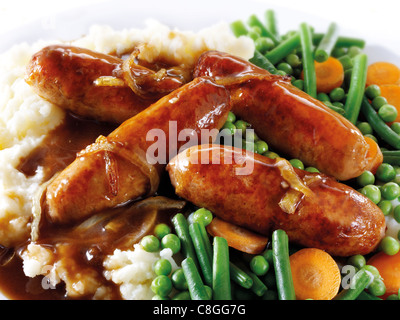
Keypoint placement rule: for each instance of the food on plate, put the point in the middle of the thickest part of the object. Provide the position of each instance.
(315, 211)
(297, 165)
(290, 120)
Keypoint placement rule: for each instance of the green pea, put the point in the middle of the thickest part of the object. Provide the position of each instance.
(241, 125)
(150, 243)
(178, 280)
(161, 230)
(373, 91)
(389, 245)
(293, 59)
(377, 287)
(323, 97)
(365, 128)
(386, 207)
(395, 127)
(172, 242)
(353, 51)
(378, 102)
(385, 172)
(253, 34)
(392, 297)
(337, 94)
(366, 178)
(264, 44)
(390, 191)
(261, 147)
(388, 113)
(231, 117)
(203, 216)
(338, 104)
(372, 192)
(161, 285)
(338, 52)
(229, 128)
(281, 73)
(299, 83)
(259, 265)
(250, 135)
(312, 169)
(248, 145)
(357, 261)
(396, 213)
(162, 267)
(373, 270)
(286, 67)
(271, 155)
(297, 164)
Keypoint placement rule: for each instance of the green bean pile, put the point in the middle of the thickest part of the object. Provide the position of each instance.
(212, 270)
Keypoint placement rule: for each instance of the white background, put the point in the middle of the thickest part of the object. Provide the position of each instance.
(378, 21)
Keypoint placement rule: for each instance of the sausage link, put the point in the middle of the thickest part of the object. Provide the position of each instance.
(314, 209)
(119, 168)
(290, 120)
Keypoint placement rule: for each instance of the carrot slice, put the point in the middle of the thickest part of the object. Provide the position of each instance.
(315, 274)
(374, 155)
(330, 74)
(392, 94)
(239, 238)
(389, 269)
(383, 73)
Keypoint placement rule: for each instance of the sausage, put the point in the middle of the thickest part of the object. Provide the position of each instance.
(126, 164)
(67, 75)
(264, 194)
(291, 121)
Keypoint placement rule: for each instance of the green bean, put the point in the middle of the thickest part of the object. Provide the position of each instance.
(239, 276)
(201, 253)
(182, 231)
(391, 157)
(357, 284)
(238, 28)
(379, 126)
(221, 283)
(342, 42)
(270, 23)
(366, 296)
(357, 88)
(258, 287)
(263, 62)
(196, 286)
(285, 48)
(283, 273)
(310, 79)
(255, 22)
(327, 43)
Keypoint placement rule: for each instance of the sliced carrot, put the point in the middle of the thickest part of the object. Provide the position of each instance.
(374, 155)
(392, 94)
(383, 73)
(315, 274)
(389, 269)
(239, 238)
(330, 74)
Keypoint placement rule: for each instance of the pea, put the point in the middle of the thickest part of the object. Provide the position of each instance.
(377, 287)
(281, 73)
(372, 192)
(271, 155)
(396, 213)
(390, 245)
(378, 102)
(231, 117)
(386, 207)
(150, 243)
(297, 164)
(253, 34)
(323, 97)
(248, 145)
(393, 297)
(388, 113)
(161, 285)
(366, 178)
(385, 172)
(365, 128)
(299, 83)
(162, 267)
(251, 136)
(338, 52)
(373, 270)
(178, 280)
(259, 265)
(293, 59)
(229, 128)
(357, 261)
(203, 216)
(373, 91)
(161, 230)
(286, 67)
(353, 51)
(261, 146)
(390, 191)
(172, 242)
(312, 169)
(395, 127)
(241, 125)
(337, 94)
(264, 44)
(338, 104)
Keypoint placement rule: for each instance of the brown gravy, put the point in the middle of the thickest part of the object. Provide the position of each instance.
(79, 242)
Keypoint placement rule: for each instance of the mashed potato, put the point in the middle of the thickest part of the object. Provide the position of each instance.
(25, 119)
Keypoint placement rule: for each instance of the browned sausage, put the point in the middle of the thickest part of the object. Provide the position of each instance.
(66, 76)
(291, 121)
(267, 194)
(120, 167)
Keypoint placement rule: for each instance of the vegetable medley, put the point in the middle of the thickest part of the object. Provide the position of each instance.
(218, 261)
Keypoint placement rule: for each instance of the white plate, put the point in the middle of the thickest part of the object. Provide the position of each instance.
(190, 15)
